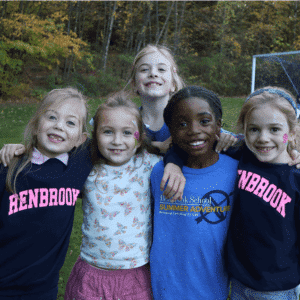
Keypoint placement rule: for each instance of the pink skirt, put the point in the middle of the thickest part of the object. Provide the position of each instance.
(90, 283)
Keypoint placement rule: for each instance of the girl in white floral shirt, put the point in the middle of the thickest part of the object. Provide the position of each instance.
(116, 208)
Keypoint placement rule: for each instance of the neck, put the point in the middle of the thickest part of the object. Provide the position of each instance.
(200, 162)
(153, 109)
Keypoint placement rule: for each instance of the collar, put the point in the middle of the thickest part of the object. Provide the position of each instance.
(38, 158)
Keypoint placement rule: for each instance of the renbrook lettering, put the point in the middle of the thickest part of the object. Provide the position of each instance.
(261, 187)
(41, 198)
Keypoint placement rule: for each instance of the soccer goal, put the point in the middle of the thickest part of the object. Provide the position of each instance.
(277, 69)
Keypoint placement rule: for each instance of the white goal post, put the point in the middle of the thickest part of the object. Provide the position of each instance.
(277, 69)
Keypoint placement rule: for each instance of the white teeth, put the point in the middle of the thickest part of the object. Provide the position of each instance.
(55, 137)
(197, 143)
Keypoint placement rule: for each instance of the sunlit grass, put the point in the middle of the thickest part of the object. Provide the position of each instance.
(13, 119)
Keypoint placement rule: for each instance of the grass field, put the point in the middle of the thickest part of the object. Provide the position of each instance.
(13, 119)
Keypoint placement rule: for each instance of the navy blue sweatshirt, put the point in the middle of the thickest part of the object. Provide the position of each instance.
(35, 230)
(264, 232)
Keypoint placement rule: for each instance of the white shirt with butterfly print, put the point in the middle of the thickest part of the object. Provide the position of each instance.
(117, 225)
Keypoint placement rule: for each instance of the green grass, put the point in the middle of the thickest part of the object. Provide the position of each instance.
(13, 119)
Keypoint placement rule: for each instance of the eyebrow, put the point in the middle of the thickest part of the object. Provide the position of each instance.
(68, 116)
(147, 64)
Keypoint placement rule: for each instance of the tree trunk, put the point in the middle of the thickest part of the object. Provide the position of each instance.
(112, 16)
(165, 24)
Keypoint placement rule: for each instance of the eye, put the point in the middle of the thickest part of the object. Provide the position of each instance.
(182, 124)
(127, 132)
(162, 69)
(71, 123)
(107, 132)
(205, 121)
(252, 129)
(144, 69)
(275, 129)
(51, 117)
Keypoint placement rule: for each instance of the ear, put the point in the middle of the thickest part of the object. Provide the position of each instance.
(82, 139)
(219, 126)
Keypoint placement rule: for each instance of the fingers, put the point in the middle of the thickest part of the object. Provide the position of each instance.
(174, 188)
(295, 159)
(226, 141)
(9, 151)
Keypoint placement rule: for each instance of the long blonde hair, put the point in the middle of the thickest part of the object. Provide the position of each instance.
(177, 80)
(273, 96)
(55, 96)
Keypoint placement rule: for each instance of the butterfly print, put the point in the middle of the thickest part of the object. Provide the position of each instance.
(106, 240)
(98, 226)
(108, 255)
(127, 206)
(118, 174)
(120, 191)
(126, 247)
(106, 214)
(85, 242)
(137, 179)
(101, 184)
(121, 229)
(132, 260)
(141, 196)
(137, 223)
(101, 199)
(144, 208)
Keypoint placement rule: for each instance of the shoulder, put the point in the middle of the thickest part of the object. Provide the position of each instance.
(158, 171)
(148, 158)
(228, 161)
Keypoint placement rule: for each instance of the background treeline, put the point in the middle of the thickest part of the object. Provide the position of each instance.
(91, 44)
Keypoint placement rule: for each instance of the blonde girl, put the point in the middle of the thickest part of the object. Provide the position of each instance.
(117, 222)
(154, 77)
(38, 194)
(263, 239)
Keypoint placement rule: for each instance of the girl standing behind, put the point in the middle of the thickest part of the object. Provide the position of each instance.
(154, 77)
(116, 205)
(38, 194)
(187, 260)
(263, 240)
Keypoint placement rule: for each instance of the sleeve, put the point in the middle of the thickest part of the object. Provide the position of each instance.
(239, 136)
(175, 156)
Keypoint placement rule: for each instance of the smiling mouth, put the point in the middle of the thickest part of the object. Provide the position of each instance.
(264, 149)
(55, 138)
(116, 151)
(197, 144)
(150, 84)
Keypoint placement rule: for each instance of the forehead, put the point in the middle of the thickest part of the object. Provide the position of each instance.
(71, 106)
(153, 58)
(192, 106)
(267, 114)
(116, 117)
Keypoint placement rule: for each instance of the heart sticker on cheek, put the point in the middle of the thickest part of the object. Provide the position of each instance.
(136, 137)
(285, 138)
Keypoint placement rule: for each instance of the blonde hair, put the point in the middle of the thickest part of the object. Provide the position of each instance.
(277, 101)
(118, 100)
(177, 80)
(56, 96)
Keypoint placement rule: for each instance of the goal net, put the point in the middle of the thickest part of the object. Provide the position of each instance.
(277, 69)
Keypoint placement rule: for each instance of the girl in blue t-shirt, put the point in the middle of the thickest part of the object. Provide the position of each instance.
(187, 259)
(154, 78)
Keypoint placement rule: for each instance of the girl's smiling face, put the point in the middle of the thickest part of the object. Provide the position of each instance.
(267, 133)
(194, 129)
(153, 76)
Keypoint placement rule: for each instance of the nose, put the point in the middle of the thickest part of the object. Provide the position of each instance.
(153, 72)
(117, 139)
(59, 124)
(263, 136)
(195, 128)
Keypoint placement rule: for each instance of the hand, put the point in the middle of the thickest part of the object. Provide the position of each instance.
(295, 158)
(176, 182)
(9, 151)
(163, 146)
(225, 141)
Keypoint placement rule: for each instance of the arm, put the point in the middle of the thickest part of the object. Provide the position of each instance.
(227, 139)
(163, 146)
(9, 151)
